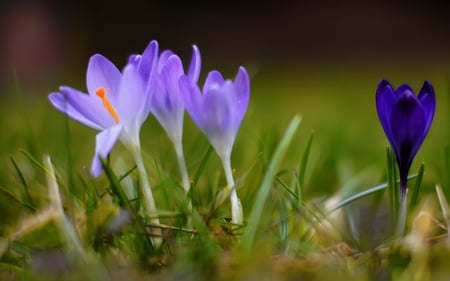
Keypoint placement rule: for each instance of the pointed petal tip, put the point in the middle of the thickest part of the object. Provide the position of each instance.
(173, 58)
(196, 56)
(427, 88)
(243, 72)
(427, 99)
(53, 95)
(97, 57)
(383, 84)
(152, 47)
(55, 99)
(384, 88)
(154, 44)
(195, 64)
(242, 81)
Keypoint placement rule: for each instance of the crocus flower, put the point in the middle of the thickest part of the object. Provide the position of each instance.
(220, 109)
(117, 105)
(218, 112)
(406, 119)
(166, 102)
(114, 105)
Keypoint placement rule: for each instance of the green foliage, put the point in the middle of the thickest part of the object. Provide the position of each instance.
(314, 203)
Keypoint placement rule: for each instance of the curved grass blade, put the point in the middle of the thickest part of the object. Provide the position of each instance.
(68, 155)
(73, 242)
(39, 164)
(34, 160)
(25, 185)
(13, 196)
(201, 167)
(446, 187)
(266, 184)
(115, 185)
(393, 190)
(302, 167)
(286, 187)
(362, 194)
(445, 209)
(417, 187)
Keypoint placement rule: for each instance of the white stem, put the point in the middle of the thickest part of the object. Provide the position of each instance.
(236, 207)
(178, 144)
(401, 222)
(147, 196)
(182, 164)
(70, 234)
(146, 191)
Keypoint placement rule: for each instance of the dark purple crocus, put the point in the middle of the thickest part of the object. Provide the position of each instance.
(406, 119)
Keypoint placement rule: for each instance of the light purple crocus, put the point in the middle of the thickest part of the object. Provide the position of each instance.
(166, 102)
(406, 120)
(115, 105)
(220, 109)
(218, 112)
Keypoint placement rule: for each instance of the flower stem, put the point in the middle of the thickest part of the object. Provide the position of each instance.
(147, 195)
(182, 165)
(236, 207)
(184, 174)
(73, 242)
(401, 221)
(148, 200)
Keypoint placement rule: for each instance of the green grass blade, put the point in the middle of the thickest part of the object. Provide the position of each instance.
(115, 185)
(302, 167)
(266, 184)
(364, 193)
(68, 155)
(24, 183)
(393, 189)
(70, 234)
(445, 209)
(201, 167)
(446, 188)
(91, 195)
(417, 187)
(284, 228)
(19, 172)
(13, 196)
(191, 194)
(39, 164)
(127, 173)
(34, 160)
(286, 187)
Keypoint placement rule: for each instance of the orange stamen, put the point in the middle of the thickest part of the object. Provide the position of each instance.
(101, 93)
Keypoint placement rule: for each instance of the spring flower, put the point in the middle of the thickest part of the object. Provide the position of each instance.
(116, 105)
(406, 119)
(167, 104)
(218, 112)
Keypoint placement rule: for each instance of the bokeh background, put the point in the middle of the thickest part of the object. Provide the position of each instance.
(322, 59)
(45, 41)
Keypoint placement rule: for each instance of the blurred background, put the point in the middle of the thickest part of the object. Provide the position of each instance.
(44, 41)
(320, 58)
